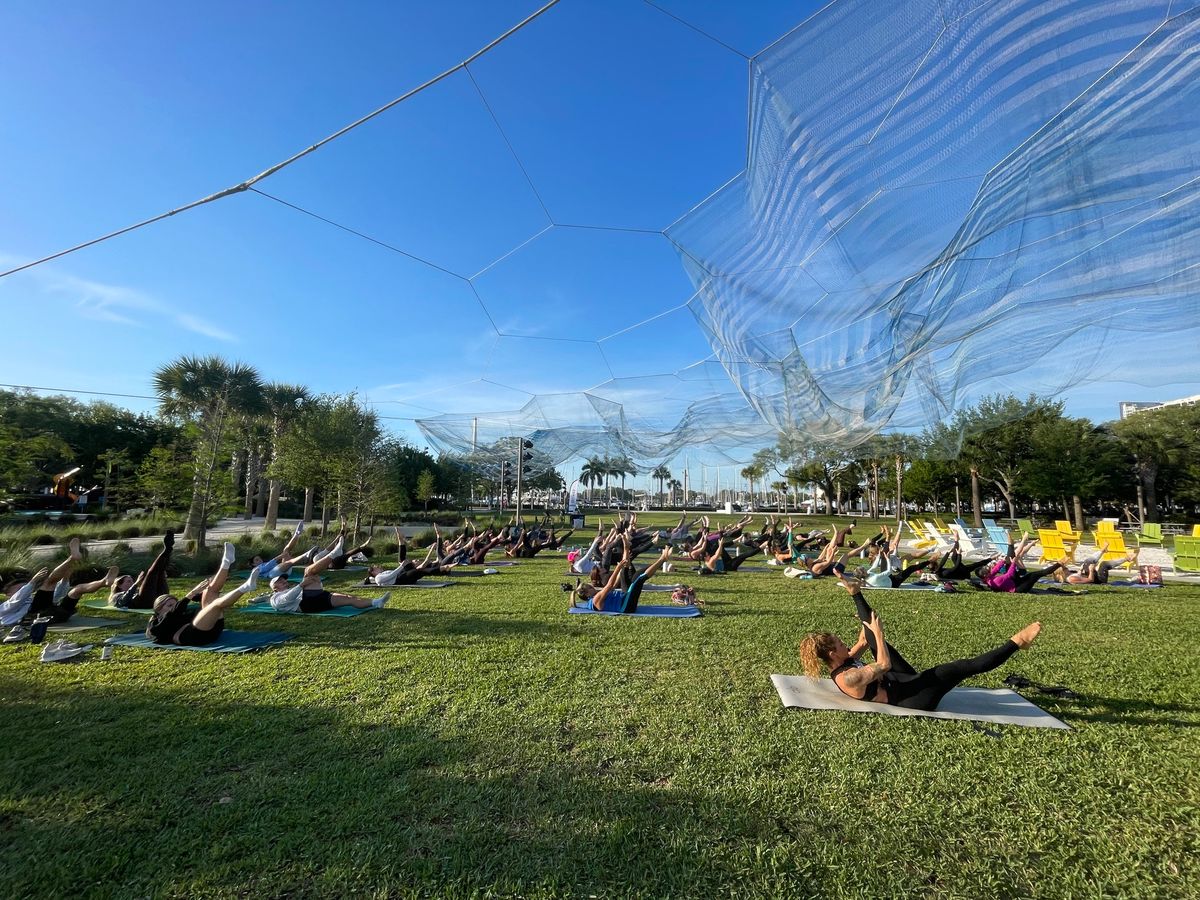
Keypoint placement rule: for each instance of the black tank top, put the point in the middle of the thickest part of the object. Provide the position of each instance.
(872, 688)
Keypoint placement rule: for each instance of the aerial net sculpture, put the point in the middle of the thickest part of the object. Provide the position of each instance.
(946, 198)
(940, 200)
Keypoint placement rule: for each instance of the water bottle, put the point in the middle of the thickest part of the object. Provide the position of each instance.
(37, 631)
(106, 653)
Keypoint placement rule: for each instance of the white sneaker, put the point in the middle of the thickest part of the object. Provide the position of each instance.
(380, 602)
(774, 562)
(491, 571)
(792, 572)
(19, 633)
(62, 650)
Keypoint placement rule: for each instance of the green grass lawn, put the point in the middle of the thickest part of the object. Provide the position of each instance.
(478, 741)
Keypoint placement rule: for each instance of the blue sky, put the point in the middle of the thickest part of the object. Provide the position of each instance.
(619, 115)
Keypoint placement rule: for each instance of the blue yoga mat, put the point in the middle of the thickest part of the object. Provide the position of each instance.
(662, 612)
(1132, 584)
(230, 642)
(339, 612)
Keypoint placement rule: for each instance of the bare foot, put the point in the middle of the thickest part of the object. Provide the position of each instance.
(111, 576)
(73, 544)
(1026, 635)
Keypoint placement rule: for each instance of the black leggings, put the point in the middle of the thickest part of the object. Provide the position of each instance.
(958, 571)
(898, 578)
(924, 690)
(1026, 582)
(154, 582)
(43, 604)
(744, 553)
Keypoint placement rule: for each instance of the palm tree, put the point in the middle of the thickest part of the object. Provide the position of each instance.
(752, 473)
(283, 403)
(593, 472)
(661, 473)
(781, 488)
(623, 466)
(674, 484)
(206, 391)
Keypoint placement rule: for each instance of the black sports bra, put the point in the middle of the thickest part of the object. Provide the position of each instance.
(872, 688)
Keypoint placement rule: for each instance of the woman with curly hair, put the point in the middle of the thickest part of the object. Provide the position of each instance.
(891, 678)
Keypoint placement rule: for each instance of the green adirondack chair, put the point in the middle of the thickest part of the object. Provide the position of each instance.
(1025, 526)
(1151, 535)
(1187, 554)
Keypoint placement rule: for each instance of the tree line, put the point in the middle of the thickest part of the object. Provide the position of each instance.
(222, 439)
(1018, 454)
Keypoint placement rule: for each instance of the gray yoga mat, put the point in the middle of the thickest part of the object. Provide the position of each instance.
(84, 623)
(998, 705)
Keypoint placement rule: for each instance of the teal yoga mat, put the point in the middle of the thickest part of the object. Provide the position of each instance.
(230, 642)
(338, 612)
(661, 612)
(101, 604)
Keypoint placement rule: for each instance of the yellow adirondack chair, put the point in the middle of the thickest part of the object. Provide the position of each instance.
(1064, 528)
(942, 527)
(1116, 548)
(1196, 531)
(1054, 546)
(920, 541)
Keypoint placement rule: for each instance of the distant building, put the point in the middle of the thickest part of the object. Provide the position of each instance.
(1132, 406)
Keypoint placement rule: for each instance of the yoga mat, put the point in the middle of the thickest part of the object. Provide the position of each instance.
(998, 705)
(754, 569)
(419, 584)
(456, 573)
(82, 623)
(659, 588)
(662, 612)
(102, 604)
(906, 587)
(1132, 584)
(230, 642)
(338, 612)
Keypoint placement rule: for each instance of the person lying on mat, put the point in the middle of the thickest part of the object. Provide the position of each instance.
(175, 622)
(593, 557)
(527, 546)
(611, 598)
(310, 596)
(279, 565)
(721, 561)
(827, 563)
(1009, 576)
(408, 572)
(1095, 570)
(49, 593)
(883, 575)
(789, 546)
(341, 556)
(957, 570)
(891, 678)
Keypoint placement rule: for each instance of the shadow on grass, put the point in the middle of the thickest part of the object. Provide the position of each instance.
(194, 791)
(1121, 711)
(393, 628)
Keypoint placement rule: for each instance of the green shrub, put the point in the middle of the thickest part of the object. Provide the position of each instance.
(131, 531)
(110, 534)
(120, 548)
(44, 539)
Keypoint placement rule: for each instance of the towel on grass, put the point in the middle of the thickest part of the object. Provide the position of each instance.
(662, 612)
(998, 705)
(230, 642)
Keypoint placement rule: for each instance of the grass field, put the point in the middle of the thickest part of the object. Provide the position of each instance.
(477, 741)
